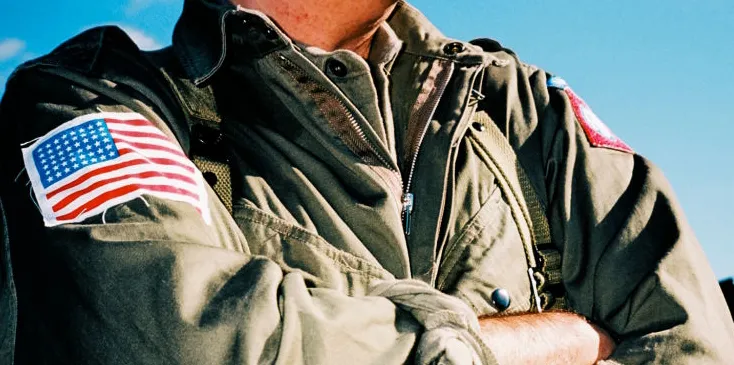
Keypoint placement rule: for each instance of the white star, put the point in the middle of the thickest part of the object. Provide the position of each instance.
(88, 147)
(45, 167)
(112, 153)
(108, 146)
(90, 127)
(64, 163)
(75, 166)
(66, 170)
(96, 144)
(91, 153)
(94, 136)
(73, 138)
(85, 140)
(64, 136)
(99, 122)
(103, 157)
(56, 167)
(56, 141)
(44, 160)
(42, 155)
(82, 156)
(100, 151)
(72, 133)
(94, 159)
(84, 162)
(77, 144)
(58, 174)
(68, 149)
(50, 179)
(72, 159)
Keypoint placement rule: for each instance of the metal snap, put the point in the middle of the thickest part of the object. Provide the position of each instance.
(336, 68)
(270, 34)
(453, 48)
(501, 299)
(210, 178)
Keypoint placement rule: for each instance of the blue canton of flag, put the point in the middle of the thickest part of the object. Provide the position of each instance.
(69, 151)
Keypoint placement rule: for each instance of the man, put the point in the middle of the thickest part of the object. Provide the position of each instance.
(347, 148)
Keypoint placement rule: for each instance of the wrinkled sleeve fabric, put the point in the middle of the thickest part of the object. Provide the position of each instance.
(630, 260)
(151, 283)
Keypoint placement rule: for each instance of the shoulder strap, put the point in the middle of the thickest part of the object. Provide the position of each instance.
(544, 260)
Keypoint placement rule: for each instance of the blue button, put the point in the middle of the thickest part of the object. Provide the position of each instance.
(501, 299)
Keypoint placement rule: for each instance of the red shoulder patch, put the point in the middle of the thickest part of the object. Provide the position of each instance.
(598, 134)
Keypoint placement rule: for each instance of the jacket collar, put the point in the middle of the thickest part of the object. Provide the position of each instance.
(208, 30)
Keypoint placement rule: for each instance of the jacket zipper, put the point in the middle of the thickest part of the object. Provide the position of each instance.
(423, 116)
(354, 137)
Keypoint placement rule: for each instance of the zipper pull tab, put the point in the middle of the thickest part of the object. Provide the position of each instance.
(407, 211)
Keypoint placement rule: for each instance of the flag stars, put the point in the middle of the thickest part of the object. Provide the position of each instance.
(75, 166)
(96, 144)
(77, 144)
(85, 140)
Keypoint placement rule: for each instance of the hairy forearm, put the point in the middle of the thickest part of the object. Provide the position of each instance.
(545, 338)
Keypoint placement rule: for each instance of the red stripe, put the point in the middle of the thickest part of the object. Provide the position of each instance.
(161, 160)
(133, 122)
(141, 134)
(144, 175)
(149, 146)
(112, 194)
(121, 165)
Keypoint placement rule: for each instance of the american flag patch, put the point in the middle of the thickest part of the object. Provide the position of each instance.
(97, 161)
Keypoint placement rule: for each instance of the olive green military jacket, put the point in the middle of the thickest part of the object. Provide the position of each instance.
(341, 246)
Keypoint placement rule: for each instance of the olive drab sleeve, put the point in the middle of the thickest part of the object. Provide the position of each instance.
(631, 262)
(150, 281)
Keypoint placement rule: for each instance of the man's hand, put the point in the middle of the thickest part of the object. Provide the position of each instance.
(546, 338)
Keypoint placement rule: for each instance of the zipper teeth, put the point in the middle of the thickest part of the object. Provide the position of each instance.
(297, 72)
(440, 89)
(360, 133)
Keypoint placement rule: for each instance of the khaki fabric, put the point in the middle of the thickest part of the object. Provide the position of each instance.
(313, 265)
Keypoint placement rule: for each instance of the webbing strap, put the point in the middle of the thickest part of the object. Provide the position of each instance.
(543, 257)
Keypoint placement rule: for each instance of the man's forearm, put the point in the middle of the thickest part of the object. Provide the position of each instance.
(546, 338)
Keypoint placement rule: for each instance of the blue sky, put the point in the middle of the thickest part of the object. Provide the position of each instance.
(659, 73)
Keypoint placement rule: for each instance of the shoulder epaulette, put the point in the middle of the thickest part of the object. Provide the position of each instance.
(81, 52)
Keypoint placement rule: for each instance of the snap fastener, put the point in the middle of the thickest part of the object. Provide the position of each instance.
(270, 34)
(205, 137)
(501, 299)
(210, 178)
(479, 127)
(336, 68)
(453, 48)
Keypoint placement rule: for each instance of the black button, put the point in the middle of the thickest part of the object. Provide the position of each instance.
(270, 34)
(336, 68)
(210, 178)
(501, 299)
(453, 48)
(478, 126)
(205, 136)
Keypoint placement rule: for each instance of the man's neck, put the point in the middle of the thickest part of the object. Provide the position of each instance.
(327, 24)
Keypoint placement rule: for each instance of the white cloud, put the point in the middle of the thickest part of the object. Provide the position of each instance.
(143, 40)
(10, 48)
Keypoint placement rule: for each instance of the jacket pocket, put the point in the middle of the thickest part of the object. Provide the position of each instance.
(297, 249)
(485, 254)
